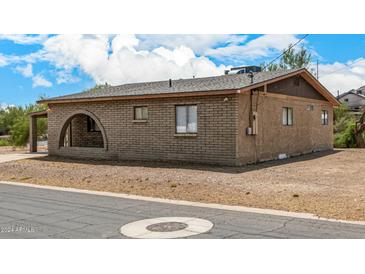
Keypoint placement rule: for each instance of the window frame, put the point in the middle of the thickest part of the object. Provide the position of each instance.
(134, 113)
(91, 125)
(324, 120)
(186, 119)
(287, 116)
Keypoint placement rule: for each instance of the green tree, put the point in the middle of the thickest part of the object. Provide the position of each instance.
(290, 59)
(16, 121)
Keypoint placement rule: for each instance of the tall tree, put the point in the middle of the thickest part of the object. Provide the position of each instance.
(291, 59)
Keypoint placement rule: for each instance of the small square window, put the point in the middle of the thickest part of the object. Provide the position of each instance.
(324, 117)
(310, 107)
(287, 116)
(186, 119)
(140, 113)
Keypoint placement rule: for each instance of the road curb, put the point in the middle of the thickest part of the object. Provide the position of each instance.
(188, 203)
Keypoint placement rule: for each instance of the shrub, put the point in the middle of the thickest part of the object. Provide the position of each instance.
(4, 142)
(346, 137)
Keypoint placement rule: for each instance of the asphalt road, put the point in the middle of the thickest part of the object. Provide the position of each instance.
(27, 212)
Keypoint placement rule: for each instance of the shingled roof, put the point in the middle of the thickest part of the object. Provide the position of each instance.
(206, 84)
(223, 82)
(354, 92)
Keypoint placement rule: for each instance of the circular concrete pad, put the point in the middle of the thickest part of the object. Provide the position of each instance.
(166, 228)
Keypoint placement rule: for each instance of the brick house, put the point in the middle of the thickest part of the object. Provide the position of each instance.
(229, 119)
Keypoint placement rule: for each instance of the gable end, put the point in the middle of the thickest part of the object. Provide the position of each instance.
(295, 86)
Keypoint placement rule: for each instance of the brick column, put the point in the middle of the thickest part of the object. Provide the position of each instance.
(33, 134)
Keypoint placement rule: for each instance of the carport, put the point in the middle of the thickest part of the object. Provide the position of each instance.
(33, 128)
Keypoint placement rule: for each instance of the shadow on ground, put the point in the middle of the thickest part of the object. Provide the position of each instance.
(191, 166)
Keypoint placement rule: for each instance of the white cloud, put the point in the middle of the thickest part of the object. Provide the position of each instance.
(120, 62)
(3, 60)
(199, 43)
(262, 46)
(26, 71)
(343, 76)
(180, 55)
(119, 59)
(40, 81)
(65, 76)
(24, 38)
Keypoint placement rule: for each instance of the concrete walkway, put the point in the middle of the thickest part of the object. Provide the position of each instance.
(32, 212)
(8, 157)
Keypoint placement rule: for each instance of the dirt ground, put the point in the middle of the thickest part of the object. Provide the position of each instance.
(328, 184)
(10, 149)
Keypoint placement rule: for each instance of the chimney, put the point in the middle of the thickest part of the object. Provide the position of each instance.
(170, 83)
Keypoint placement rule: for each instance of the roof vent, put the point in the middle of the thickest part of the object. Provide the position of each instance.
(250, 75)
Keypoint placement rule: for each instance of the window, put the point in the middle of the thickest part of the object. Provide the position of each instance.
(186, 119)
(140, 113)
(324, 117)
(287, 116)
(91, 125)
(310, 107)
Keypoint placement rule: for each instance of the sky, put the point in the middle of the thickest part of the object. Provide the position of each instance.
(32, 66)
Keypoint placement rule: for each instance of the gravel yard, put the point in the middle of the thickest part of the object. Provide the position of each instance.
(328, 184)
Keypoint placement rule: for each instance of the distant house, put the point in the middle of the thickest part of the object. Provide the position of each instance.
(231, 119)
(354, 99)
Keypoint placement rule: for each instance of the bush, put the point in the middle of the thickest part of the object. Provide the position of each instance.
(344, 128)
(346, 137)
(4, 142)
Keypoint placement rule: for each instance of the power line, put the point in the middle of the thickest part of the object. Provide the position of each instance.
(285, 51)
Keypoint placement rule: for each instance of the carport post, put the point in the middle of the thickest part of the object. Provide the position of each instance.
(33, 134)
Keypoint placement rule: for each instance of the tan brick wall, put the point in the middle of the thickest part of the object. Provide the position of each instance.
(215, 141)
(273, 138)
(81, 137)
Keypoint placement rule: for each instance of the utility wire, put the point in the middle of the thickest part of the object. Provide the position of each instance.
(285, 51)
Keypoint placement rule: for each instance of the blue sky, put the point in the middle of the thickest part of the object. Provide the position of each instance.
(52, 65)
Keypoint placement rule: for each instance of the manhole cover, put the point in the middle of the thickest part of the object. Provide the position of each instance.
(166, 228)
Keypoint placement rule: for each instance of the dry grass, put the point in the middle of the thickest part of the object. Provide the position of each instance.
(329, 185)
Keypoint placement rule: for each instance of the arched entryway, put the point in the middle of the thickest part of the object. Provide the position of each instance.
(83, 129)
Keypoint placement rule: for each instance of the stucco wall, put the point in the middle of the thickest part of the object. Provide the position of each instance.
(215, 141)
(307, 134)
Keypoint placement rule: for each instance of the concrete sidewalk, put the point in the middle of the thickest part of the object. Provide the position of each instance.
(8, 157)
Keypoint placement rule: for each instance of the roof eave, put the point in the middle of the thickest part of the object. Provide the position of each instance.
(303, 72)
(140, 97)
